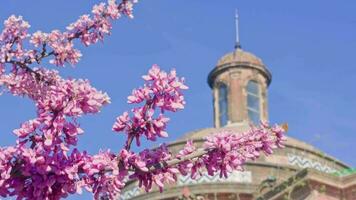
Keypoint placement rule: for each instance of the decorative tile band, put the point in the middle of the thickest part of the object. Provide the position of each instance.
(130, 193)
(302, 162)
(234, 177)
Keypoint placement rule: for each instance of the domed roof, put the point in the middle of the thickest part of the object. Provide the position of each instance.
(240, 56)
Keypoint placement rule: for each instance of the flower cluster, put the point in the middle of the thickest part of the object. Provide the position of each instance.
(44, 163)
(6, 157)
(63, 49)
(228, 151)
(12, 37)
(103, 176)
(56, 104)
(89, 28)
(161, 90)
(40, 166)
(222, 152)
(142, 162)
(15, 28)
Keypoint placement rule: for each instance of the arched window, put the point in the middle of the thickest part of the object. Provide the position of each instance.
(223, 106)
(253, 102)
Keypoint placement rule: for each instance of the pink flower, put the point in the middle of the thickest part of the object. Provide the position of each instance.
(14, 27)
(161, 90)
(27, 128)
(121, 122)
(113, 10)
(229, 151)
(44, 163)
(188, 149)
(38, 38)
(63, 49)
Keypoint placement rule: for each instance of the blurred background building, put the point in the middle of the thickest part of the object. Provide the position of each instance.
(239, 83)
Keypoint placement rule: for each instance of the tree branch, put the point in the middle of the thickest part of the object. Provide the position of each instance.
(196, 154)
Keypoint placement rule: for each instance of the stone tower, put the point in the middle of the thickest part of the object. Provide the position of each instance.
(239, 85)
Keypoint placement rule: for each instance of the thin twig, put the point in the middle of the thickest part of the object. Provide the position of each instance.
(196, 154)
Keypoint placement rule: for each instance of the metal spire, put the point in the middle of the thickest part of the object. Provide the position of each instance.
(237, 39)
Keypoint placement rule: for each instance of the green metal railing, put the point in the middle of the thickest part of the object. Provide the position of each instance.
(345, 172)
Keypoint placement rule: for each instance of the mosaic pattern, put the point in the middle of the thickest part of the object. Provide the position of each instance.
(234, 177)
(130, 193)
(303, 162)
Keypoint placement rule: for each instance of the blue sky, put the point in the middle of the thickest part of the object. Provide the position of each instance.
(309, 46)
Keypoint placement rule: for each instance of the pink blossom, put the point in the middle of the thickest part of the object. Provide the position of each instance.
(121, 122)
(113, 10)
(63, 49)
(99, 9)
(161, 90)
(11, 39)
(15, 27)
(27, 128)
(230, 151)
(38, 38)
(188, 149)
(127, 7)
(44, 163)
(111, 179)
(158, 177)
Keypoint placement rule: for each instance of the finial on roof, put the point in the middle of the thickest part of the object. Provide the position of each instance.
(237, 39)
